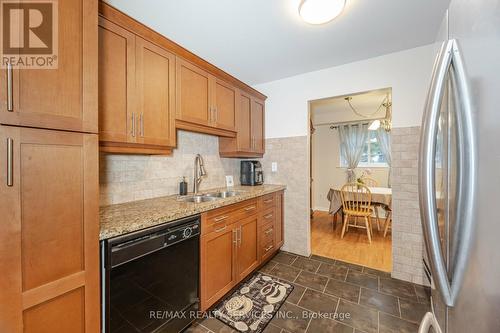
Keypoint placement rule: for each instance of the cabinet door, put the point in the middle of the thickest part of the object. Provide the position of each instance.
(116, 83)
(279, 222)
(155, 94)
(257, 111)
(193, 94)
(218, 259)
(244, 121)
(49, 243)
(247, 246)
(224, 100)
(66, 97)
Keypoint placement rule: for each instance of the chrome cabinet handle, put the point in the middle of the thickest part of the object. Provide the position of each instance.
(10, 162)
(249, 208)
(220, 218)
(268, 200)
(141, 124)
(449, 58)
(268, 231)
(221, 229)
(268, 216)
(133, 124)
(235, 237)
(10, 93)
(268, 248)
(216, 114)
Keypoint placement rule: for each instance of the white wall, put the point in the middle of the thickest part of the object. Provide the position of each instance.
(407, 72)
(327, 172)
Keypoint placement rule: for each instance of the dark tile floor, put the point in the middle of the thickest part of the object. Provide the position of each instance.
(334, 296)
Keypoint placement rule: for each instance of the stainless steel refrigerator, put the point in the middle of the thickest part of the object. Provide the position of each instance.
(459, 172)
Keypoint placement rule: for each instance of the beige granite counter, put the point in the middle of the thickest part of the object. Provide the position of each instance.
(116, 220)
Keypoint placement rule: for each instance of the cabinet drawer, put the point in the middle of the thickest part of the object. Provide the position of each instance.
(267, 249)
(268, 201)
(218, 218)
(268, 216)
(267, 234)
(247, 208)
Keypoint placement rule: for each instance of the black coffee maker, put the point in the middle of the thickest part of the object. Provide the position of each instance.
(251, 173)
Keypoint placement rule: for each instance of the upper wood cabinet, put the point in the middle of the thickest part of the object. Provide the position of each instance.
(224, 101)
(204, 103)
(155, 86)
(62, 98)
(116, 82)
(249, 141)
(49, 239)
(193, 94)
(150, 86)
(136, 93)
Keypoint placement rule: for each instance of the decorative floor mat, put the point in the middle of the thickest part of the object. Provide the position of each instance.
(253, 305)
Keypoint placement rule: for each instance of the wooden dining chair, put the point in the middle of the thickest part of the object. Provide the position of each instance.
(370, 182)
(388, 220)
(356, 202)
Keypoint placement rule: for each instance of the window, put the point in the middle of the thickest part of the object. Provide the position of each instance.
(372, 155)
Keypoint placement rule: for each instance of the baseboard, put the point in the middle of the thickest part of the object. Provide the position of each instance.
(322, 209)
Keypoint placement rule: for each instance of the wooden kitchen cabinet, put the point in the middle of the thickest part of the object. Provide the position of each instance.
(218, 264)
(116, 83)
(136, 93)
(204, 103)
(279, 227)
(155, 75)
(224, 101)
(234, 240)
(247, 247)
(62, 98)
(257, 126)
(249, 140)
(193, 94)
(50, 231)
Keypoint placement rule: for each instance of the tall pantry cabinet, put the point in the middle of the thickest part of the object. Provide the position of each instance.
(49, 225)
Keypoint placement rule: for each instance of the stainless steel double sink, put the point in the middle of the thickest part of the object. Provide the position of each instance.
(212, 196)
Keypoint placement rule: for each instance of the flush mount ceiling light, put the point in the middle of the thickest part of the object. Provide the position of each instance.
(320, 11)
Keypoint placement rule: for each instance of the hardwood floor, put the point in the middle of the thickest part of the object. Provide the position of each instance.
(354, 247)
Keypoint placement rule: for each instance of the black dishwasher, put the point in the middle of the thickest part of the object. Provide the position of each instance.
(150, 278)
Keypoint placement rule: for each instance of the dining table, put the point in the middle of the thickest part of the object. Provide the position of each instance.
(380, 196)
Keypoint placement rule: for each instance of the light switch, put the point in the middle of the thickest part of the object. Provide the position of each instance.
(274, 166)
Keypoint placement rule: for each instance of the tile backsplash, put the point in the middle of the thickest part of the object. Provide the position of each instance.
(126, 178)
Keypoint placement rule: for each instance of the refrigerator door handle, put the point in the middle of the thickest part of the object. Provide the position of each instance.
(427, 322)
(449, 59)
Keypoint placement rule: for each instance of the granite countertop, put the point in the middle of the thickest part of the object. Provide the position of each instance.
(119, 219)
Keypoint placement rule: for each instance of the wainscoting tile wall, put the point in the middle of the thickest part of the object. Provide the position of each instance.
(408, 244)
(290, 153)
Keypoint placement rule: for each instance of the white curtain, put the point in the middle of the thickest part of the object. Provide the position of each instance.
(384, 140)
(352, 139)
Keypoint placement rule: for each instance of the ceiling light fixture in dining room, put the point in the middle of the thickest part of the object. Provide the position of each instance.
(385, 123)
(320, 11)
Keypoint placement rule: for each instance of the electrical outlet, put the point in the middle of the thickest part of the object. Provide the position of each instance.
(274, 166)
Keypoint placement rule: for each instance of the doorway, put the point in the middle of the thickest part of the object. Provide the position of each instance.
(350, 143)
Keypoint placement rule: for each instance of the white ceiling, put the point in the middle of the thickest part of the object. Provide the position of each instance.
(264, 40)
(335, 109)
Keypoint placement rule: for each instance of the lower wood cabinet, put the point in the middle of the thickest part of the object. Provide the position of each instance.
(247, 246)
(235, 241)
(49, 249)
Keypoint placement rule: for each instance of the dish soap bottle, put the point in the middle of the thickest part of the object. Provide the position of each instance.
(183, 186)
